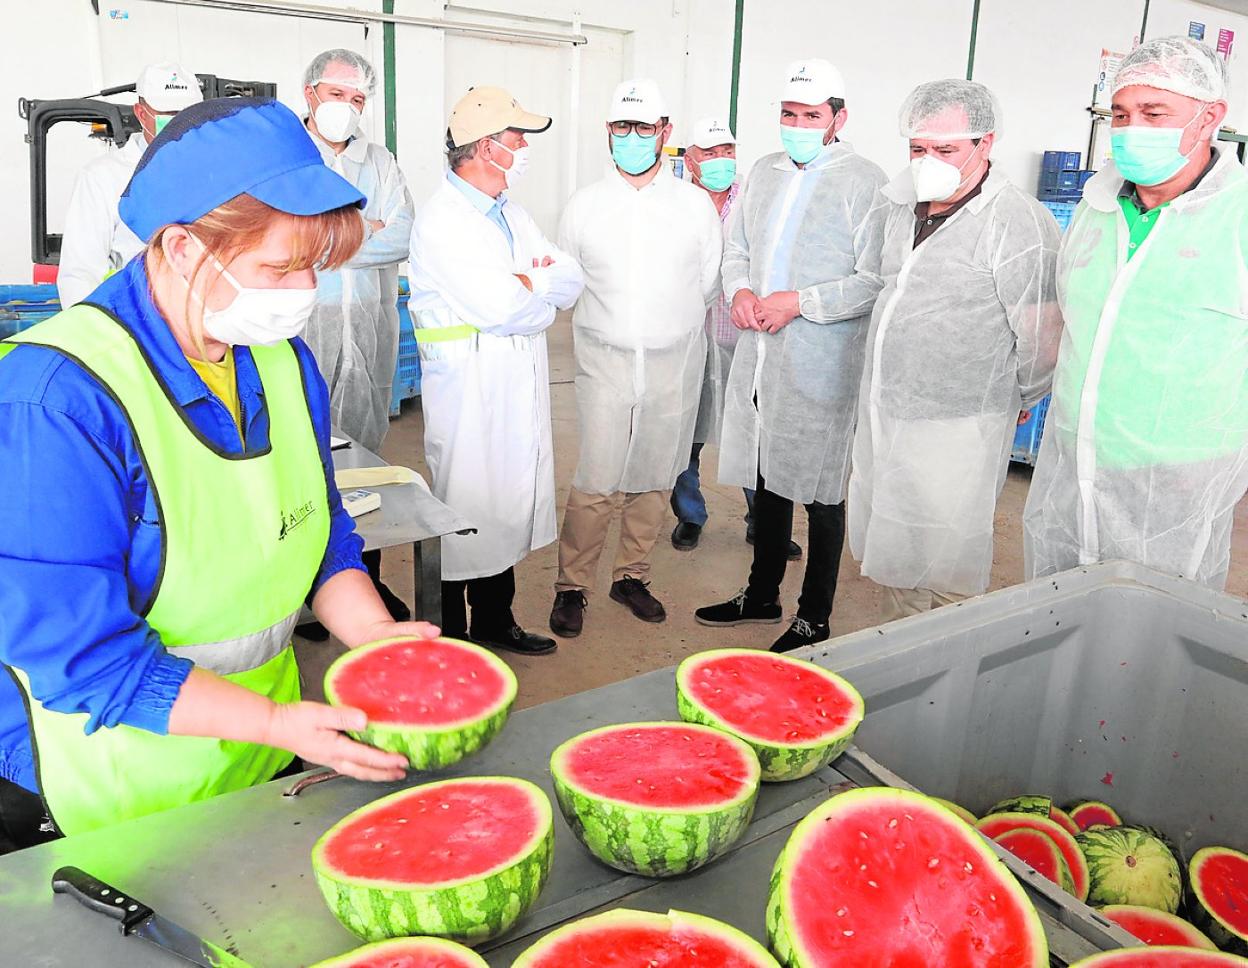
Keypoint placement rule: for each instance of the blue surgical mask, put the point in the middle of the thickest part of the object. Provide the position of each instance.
(1145, 155)
(802, 144)
(717, 174)
(633, 153)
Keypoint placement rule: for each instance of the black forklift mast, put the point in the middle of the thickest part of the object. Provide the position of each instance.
(108, 121)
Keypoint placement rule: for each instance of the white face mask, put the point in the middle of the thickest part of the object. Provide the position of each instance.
(936, 180)
(256, 317)
(519, 163)
(337, 121)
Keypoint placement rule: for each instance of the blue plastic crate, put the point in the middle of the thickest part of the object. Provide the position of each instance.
(1061, 160)
(407, 367)
(23, 306)
(1027, 437)
(1085, 177)
(1063, 212)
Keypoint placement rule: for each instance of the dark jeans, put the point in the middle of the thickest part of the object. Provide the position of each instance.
(490, 599)
(773, 530)
(687, 502)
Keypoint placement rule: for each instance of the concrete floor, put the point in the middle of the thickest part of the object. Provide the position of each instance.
(614, 644)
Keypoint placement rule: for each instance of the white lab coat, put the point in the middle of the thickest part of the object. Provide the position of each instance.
(486, 396)
(96, 241)
(651, 262)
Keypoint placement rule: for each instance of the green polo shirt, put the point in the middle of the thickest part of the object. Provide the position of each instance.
(1141, 222)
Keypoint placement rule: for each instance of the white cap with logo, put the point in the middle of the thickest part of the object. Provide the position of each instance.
(168, 87)
(812, 81)
(710, 133)
(637, 100)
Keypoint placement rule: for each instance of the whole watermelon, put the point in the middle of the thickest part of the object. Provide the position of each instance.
(1131, 865)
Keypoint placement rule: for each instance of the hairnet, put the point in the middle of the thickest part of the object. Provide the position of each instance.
(344, 67)
(1177, 64)
(952, 108)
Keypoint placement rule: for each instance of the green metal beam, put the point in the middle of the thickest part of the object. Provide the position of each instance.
(387, 70)
(1144, 22)
(970, 57)
(736, 65)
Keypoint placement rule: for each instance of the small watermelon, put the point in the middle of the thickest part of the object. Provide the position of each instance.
(433, 700)
(879, 876)
(656, 798)
(1093, 813)
(408, 953)
(797, 716)
(625, 939)
(1038, 850)
(1128, 865)
(961, 812)
(1219, 896)
(459, 859)
(993, 825)
(1040, 805)
(1155, 927)
(1167, 957)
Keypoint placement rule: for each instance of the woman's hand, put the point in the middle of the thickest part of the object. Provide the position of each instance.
(349, 607)
(399, 630)
(315, 732)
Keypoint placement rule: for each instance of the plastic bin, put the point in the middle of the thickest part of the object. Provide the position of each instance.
(407, 367)
(23, 306)
(1062, 211)
(1061, 160)
(1027, 436)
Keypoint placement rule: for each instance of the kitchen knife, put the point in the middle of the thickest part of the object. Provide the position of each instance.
(137, 919)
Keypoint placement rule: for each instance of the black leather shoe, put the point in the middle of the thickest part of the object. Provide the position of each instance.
(739, 611)
(312, 631)
(394, 605)
(516, 640)
(685, 536)
(795, 550)
(799, 635)
(634, 594)
(567, 617)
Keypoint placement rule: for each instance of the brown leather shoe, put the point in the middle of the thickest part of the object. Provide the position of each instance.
(634, 594)
(567, 617)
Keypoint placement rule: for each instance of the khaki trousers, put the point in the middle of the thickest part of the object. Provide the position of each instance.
(585, 523)
(900, 602)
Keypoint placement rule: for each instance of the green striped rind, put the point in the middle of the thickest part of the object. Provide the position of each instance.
(1151, 879)
(779, 761)
(432, 749)
(641, 840)
(1076, 812)
(749, 951)
(781, 933)
(1066, 843)
(375, 955)
(1160, 956)
(469, 911)
(1029, 803)
(1218, 930)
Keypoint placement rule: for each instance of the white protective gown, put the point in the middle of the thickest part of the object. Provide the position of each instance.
(486, 395)
(816, 230)
(963, 336)
(1145, 451)
(721, 342)
(96, 241)
(354, 330)
(651, 260)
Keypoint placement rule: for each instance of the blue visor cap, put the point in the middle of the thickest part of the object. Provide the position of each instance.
(217, 150)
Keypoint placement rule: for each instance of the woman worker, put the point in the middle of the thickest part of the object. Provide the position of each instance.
(169, 499)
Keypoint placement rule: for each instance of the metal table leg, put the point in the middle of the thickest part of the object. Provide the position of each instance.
(427, 568)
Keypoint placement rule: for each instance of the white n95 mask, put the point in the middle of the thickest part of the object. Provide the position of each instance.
(519, 163)
(934, 180)
(257, 317)
(337, 120)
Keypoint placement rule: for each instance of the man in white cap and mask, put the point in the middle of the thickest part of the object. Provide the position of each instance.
(1145, 450)
(650, 246)
(354, 330)
(962, 338)
(801, 269)
(485, 288)
(96, 242)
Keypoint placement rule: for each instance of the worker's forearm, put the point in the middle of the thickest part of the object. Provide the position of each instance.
(208, 705)
(349, 606)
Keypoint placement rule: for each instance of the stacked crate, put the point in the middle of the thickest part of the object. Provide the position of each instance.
(1061, 184)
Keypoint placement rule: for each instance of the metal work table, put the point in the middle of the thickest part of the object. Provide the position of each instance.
(409, 513)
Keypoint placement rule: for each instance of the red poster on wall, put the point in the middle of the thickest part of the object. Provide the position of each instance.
(1226, 38)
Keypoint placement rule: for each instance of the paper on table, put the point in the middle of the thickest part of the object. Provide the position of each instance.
(349, 477)
(337, 443)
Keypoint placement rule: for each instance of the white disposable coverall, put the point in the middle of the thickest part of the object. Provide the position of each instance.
(963, 336)
(816, 230)
(721, 341)
(96, 241)
(354, 330)
(486, 396)
(1145, 451)
(651, 261)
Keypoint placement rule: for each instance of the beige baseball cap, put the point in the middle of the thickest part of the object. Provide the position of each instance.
(484, 111)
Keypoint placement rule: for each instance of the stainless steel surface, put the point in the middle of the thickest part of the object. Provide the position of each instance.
(306, 780)
(168, 936)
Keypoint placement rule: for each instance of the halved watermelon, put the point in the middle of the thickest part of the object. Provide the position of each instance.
(879, 876)
(634, 939)
(996, 824)
(408, 953)
(433, 700)
(1093, 813)
(797, 716)
(1128, 865)
(1155, 927)
(1167, 957)
(656, 798)
(1035, 803)
(1038, 850)
(1219, 896)
(459, 859)
(961, 812)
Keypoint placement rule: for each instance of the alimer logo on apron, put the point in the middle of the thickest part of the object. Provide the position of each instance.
(292, 519)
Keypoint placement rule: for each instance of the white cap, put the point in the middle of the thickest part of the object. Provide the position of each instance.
(637, 100)
(168, 87)
(710, 133)
(812, 81)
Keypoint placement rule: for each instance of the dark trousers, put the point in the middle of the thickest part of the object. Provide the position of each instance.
(687, 502)
(490, 599)
(773, 530)
(23, 821)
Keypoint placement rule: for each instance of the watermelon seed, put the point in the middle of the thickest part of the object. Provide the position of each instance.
(848, 934)
(968, 868)
(900, 845)
(872, 884)
(933, 863)
(892, 824)
(992, 897)
(842, 912)
(863, 868)
(863, 835)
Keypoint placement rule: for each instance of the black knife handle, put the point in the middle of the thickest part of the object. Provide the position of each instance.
(101, 898)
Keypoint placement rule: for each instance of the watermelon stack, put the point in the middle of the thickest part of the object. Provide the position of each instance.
(1038, 851)
(408, 953)
(1041, 805)
(1218, 898)
(797, 716)
(656, 798)
(996, 824)
(435, 701)
(458, 859)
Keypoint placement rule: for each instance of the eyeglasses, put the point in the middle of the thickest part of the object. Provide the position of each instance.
(622, 128)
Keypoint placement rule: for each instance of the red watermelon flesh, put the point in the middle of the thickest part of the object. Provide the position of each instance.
(1167, 957)
(408, 953)
(1093, 813)
(1060, 816)
(1038, 850)
(996, 824)
(1155, 927)
(1220, 879)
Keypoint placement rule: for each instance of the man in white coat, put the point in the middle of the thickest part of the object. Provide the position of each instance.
(96, 242)
(485, 287)
(650, 246)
